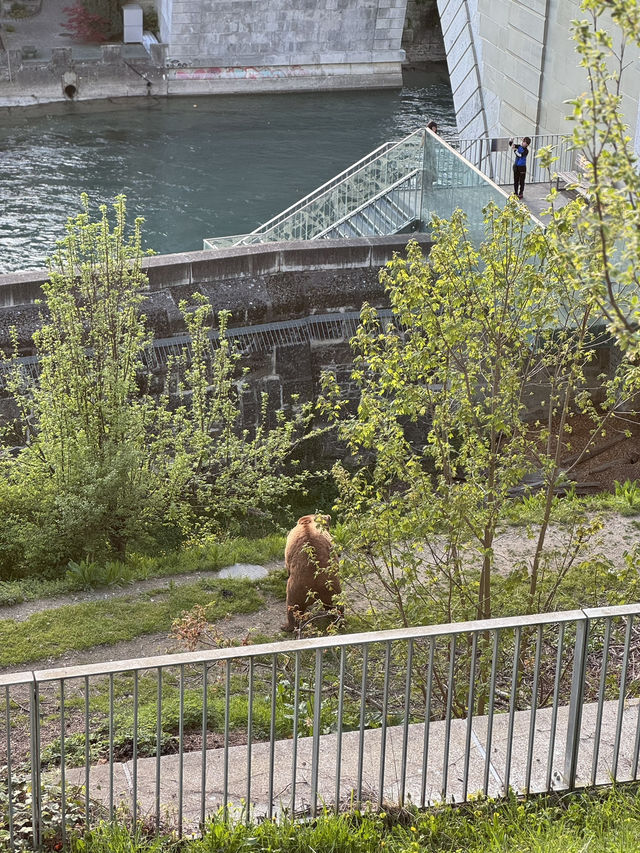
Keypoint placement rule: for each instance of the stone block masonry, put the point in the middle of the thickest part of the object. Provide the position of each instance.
(422, 35)
(245, 45)
(265, 284)
(514, 68)
(236, 46)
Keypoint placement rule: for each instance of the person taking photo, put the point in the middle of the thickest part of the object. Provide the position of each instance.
(521, 151)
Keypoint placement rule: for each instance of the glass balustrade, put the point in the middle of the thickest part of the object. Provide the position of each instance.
(450, 182)
(395, 189)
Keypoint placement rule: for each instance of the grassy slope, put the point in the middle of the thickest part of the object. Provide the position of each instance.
(81, 626)
(209, 557)
(597, 822)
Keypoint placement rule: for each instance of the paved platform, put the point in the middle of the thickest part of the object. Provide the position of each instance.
(46, 29)
(535, 198)
(436, 787)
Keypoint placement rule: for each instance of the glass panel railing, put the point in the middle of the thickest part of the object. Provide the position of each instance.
(388, 212)
(347, 196)
(340, 199)
(400, 188)
(451, 182)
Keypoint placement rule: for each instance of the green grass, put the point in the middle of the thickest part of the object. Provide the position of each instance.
(209, 557)
(597, 822)
(624, 500)
(81, 626)
(170, 720)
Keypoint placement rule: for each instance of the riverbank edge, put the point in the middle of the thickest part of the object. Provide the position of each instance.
(100, 82)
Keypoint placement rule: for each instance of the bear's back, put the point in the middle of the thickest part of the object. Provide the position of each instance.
(308, 545)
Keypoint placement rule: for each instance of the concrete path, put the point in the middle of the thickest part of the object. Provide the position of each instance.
(434, 787)
(535, 198)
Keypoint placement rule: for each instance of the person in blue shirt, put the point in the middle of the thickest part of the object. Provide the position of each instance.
(520, 165)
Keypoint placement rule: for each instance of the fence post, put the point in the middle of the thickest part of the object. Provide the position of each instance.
(36, 794)
(575, 703)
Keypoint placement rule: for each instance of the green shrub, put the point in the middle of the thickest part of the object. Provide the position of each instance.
(150, 20)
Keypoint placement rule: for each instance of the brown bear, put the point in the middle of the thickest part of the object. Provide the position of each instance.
(312, 567)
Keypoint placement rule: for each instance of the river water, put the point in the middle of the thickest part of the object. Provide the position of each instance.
(193, 167)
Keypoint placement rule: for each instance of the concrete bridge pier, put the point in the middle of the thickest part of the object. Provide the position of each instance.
(514, 68)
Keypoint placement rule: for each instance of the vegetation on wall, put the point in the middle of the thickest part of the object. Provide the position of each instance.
(103, 463)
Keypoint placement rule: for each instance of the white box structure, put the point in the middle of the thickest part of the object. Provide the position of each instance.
(132, 23)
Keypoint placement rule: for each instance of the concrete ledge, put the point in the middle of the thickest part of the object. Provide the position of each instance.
(191, 269)
(113, 78)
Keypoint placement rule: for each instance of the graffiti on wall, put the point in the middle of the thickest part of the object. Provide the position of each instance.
(241, 72)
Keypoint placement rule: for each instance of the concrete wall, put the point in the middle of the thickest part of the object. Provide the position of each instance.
(36, 82)
(513, 66)
(258, 284)
(460, 22)
(300, 44)
(563, 79)
(165, 14)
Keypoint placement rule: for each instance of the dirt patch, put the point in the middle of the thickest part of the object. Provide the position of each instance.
(606, 458)
(265, 621)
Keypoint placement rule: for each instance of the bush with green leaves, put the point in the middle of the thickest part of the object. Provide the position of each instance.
(105, 465)
(51, 800)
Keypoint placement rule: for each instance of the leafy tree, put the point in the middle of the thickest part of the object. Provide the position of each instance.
(603, 240)
(104, 463)
(233, 472)
(483, 335)
(479, 331)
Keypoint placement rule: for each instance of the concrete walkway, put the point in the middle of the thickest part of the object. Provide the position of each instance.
(436, 788)
(44, 30)
(35, 71)
(535, 198)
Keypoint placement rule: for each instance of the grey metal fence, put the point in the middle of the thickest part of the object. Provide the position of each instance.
(495, 159)
(337, 326)
(421, 715)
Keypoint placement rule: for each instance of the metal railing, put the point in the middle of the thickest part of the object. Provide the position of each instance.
(343, 194)
(495, 159)
(337, 326)
(531, 703)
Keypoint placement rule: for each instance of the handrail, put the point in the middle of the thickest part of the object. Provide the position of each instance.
(368, 203)
(334, 182)
(581, 732)
(322, 642)
(494, 158)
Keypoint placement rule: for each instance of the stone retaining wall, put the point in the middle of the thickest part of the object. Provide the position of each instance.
(257, 284)
(422, 38)
(284, 43)
(265, 285)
